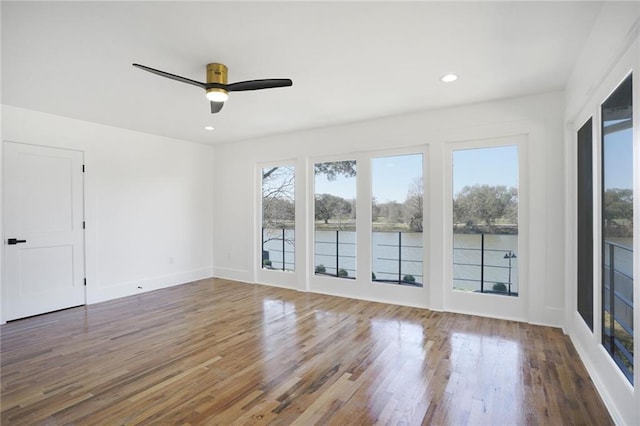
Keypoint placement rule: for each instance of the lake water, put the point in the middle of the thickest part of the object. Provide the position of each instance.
(395, 255)
(623, 255)
(466, 257)
(622, 277)
(386, 255)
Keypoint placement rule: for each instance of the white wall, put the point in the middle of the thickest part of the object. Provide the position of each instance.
(148, 202)
(539, 117)
(611, 51)
(613, 32)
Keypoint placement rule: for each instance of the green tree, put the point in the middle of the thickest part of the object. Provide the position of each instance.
(375, 209)
(484, 203)
(335, 168)
(511, 212)
(331, 206)
(618, 206)
(391, 211)
(414, 205)
(278, 190)
(278, 210)
(331, 170)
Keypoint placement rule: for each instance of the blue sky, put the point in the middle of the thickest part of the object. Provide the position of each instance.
(618, 159)
(392, 176)
(341, 186)
(391, 179)
(485, 166)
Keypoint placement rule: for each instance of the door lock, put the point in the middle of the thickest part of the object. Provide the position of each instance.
(12, 241)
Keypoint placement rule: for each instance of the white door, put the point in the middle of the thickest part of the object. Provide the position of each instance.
(44, 241)
(486, 243)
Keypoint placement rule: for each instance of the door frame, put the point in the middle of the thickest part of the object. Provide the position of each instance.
(277, 278)
(513, 308)
(393, 293)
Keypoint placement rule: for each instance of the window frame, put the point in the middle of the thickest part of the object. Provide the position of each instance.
(483, 304)
(425, 210)
(599, 213)
(362, 287)
(276, 277)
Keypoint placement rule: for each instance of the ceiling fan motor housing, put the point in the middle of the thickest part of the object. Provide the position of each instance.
(217, 73)
(216, 86)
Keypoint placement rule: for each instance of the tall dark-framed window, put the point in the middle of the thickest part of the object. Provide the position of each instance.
(617, 227)
(585, 222)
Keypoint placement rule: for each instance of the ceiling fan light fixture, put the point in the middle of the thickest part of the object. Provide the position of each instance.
(217, 95)
(216, 87)
(448, 78)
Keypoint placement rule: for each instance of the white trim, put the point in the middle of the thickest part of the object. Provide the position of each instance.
(104, 292)
(618, 394)
(286, 279)
(636, 221)
(596, 377)
(323, 284)
(628, 44)
(233, 274)
(571, 211)
(597, 228)
(513, 308)
(362, 287)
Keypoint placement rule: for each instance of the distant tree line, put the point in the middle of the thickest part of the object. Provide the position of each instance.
(476, 205)
(278, 210)
(409, 212)
(278, 194)
(617, 212)
(278, 197)
(486, 205)
(330, 207)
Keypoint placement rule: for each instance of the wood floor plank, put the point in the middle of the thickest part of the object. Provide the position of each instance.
(223, 352)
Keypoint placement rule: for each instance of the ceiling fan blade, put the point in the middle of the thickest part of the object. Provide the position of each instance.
(216, 106)
(259, 84)
(171, 76)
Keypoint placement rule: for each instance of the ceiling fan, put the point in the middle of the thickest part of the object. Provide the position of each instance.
(216, 86)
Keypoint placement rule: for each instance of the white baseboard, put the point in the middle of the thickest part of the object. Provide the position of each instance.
(102, 293)
(285, 286)
(597, 381)
(615, 390)
(233, 274)
(552, 318)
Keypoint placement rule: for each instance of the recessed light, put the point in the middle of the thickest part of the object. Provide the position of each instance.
(448, 78)
(209, 128)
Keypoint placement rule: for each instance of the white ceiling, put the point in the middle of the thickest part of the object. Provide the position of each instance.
(348, 61)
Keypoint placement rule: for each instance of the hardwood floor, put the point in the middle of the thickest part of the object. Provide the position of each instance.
(221, 352)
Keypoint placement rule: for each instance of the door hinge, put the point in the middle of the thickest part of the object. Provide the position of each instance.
(85, 282)
(83, 224)
(83, 168)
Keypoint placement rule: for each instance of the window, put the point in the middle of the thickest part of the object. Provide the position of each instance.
(485, 220)
(335, 219)
(617, 227)
(585, 223)
(396, 211)
(278, 218)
